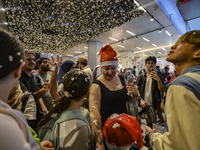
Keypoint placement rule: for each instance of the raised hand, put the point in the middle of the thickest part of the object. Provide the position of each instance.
(55, 63)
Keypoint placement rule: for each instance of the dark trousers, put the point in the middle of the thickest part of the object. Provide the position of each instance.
(159, 111)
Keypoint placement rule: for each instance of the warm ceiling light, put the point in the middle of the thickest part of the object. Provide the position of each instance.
(142, 9)
(154, 45)
(136, 3)
(120, 46)
(146, 50)
(145, 39)
(152, 18)
(168, 33)
(130, 32)
(69, 55)
(86, 47)
(113, 39)
(163, 48)
(159, 52)
(138, 48)
(160, 31)
(77, 52)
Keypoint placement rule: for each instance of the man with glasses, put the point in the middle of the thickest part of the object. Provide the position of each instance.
(33, 104)
(44, 67)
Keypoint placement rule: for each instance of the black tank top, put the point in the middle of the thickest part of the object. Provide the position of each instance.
(112, 101)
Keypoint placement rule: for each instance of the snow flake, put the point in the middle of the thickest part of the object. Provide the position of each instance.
(114, 116)
(53, 68)
(116, 125)
(95, 122)
(10, 58)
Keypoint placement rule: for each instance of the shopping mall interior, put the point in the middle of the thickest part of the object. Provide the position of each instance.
(135, 29)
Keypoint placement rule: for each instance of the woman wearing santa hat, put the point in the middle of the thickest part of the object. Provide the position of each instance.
(108, 94)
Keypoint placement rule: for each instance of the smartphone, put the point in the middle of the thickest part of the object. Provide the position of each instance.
(152, 69)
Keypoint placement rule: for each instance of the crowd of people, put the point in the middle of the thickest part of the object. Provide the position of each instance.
(64, 105)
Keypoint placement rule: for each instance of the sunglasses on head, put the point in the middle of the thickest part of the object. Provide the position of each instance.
(29, 59)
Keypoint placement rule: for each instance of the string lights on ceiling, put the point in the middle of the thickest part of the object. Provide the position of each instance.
(54, 26)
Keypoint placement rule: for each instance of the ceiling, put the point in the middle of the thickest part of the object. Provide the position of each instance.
(142, 27)
(191, 14)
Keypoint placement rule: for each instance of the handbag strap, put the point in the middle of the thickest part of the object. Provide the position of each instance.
(19, 122)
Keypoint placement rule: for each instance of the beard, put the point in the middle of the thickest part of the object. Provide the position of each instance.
(45, 69)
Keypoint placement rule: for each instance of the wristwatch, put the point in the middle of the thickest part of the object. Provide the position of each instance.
(45, 111)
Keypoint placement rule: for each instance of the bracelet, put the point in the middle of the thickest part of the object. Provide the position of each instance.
(139, 97)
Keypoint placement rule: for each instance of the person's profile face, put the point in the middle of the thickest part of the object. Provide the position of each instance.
(181, 52)
(73, 67)
(109, 72)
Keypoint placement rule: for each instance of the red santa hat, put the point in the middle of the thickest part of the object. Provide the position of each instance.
(108, 56)
(122, 131)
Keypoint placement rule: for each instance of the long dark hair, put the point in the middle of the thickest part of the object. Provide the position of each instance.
(76, 84)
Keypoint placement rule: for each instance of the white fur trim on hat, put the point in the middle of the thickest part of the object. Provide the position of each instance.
(108, 63)
(114, 147)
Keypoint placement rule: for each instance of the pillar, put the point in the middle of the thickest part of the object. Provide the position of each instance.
(94, 47)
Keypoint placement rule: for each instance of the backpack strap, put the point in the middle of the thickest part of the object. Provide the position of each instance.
(19, 122)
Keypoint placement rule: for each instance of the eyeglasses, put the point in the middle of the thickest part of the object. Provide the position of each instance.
(29, 59)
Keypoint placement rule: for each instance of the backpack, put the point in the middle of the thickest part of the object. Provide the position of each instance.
(50, 131)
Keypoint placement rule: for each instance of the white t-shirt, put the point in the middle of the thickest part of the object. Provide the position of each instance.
(12, 137)
(148, 90)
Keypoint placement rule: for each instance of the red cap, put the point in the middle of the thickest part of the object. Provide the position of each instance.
(108, 56)
(122, 131)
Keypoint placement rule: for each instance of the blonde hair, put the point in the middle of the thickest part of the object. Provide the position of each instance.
(191, 37)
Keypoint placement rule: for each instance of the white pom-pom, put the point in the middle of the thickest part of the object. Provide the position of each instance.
(113, 116)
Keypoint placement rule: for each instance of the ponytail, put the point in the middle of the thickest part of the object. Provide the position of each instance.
(57, 107)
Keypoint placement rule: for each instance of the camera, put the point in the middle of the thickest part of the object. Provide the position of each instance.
(143, 110)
